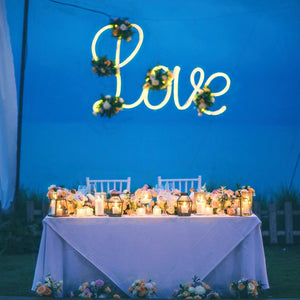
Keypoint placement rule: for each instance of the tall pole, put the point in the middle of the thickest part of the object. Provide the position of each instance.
(21, 94)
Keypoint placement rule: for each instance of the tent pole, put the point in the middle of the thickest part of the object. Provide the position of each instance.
(21, 93)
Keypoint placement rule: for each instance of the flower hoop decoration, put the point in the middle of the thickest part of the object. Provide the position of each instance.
(122, 29)
(195, 290)
(204, 100)
(159, 78)
(246, 288)
(49, 288)
(108, 106)
(103, 66)
(94, 289)
(142, 289)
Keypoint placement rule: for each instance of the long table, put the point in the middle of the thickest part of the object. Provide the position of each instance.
(169, 250)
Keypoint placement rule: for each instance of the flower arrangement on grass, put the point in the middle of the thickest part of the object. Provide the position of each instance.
(204, 100)
(142, 289)
(195, 290)
(246, 288)
(94, 289)
(49, 288)
(121, 28)
(108, 106)
(159, 78)
(103, 66)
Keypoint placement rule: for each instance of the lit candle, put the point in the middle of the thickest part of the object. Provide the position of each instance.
(246, 207)
(116, 209)
(200, 208)
(59, 211)
(99, 205)
(208, 210)
(89, 211)
(184, 208)
(80, 212)
(156, 211)
(141, 211)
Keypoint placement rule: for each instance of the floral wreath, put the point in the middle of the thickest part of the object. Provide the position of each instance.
(122, 29)
(159, 78)
(103, 66)
(108, 106)
(204, 100)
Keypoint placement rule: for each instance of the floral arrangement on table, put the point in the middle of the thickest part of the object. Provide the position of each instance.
(142, 289)
(204, 100)
(222, 201)
(243, 189)
(94, 289)
(247, 288)
(103, 66)
(50, 287)
(195, 290)
(159, 78)
(122, 29)
(108, 106)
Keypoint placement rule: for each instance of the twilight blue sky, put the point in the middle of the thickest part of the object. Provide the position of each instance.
(255, 142)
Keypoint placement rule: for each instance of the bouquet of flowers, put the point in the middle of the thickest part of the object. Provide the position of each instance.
(195, 290)
(142, 289)
(204, 100)
(108, 106)
(94, 289)
(246, 288)
(103, 66)
(159, 78)
(244, 189)
(49, 288)
(121, 28)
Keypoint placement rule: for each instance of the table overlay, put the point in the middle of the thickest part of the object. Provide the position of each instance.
(169, 250)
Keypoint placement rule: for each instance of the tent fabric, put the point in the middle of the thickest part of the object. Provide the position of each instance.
(8, 114)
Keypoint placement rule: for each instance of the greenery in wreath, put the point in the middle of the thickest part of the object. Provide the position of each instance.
(121, 28)
(108, 106)
(159, 78)
(204, 100)
(103, 66)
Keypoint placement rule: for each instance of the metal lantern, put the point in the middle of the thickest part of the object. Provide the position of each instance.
(184, 205)
(115, 206)
(200, 202)
(246, 202)
(58, 207)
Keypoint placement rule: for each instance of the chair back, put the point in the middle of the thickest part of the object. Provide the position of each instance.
(106, 185)
(182, 184)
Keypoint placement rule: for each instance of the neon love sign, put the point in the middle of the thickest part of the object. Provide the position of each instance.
(144, 95)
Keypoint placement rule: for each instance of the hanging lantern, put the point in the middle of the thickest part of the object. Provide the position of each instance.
(246, 202)
(184, 205)
(58, 207)
(200, 202)
(115, 206)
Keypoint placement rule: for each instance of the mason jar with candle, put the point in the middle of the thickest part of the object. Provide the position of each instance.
(115, 206)
(58, 207)
(184, 205)
(246, 202)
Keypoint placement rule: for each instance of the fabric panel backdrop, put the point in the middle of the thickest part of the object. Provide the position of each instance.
(8, 114)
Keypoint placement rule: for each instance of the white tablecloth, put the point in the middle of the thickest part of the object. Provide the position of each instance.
(168, 250)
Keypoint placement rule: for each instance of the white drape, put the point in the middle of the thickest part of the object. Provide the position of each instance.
(8, 114)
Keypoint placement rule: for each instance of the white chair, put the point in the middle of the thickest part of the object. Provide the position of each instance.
(181, 184)
(105, 185)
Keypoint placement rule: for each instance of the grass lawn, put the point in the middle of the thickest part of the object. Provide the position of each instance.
(283, 264)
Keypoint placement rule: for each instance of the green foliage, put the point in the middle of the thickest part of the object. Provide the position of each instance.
(16, 235)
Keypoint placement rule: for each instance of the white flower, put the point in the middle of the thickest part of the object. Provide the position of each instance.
(121, 100)
(202, 105)
(106, 105)
(154, 82)
(200, 290)
(107, 96)
(191, 289)
(123, 27)
(213, 100)
(51, 186)
(164, 77)
(152, 77)
(149, 285)
(251, 287)
(201, 92)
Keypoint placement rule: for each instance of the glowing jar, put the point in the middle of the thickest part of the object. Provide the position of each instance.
(200, 202)
(184, 205)
(58, 207)
(115, 206)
